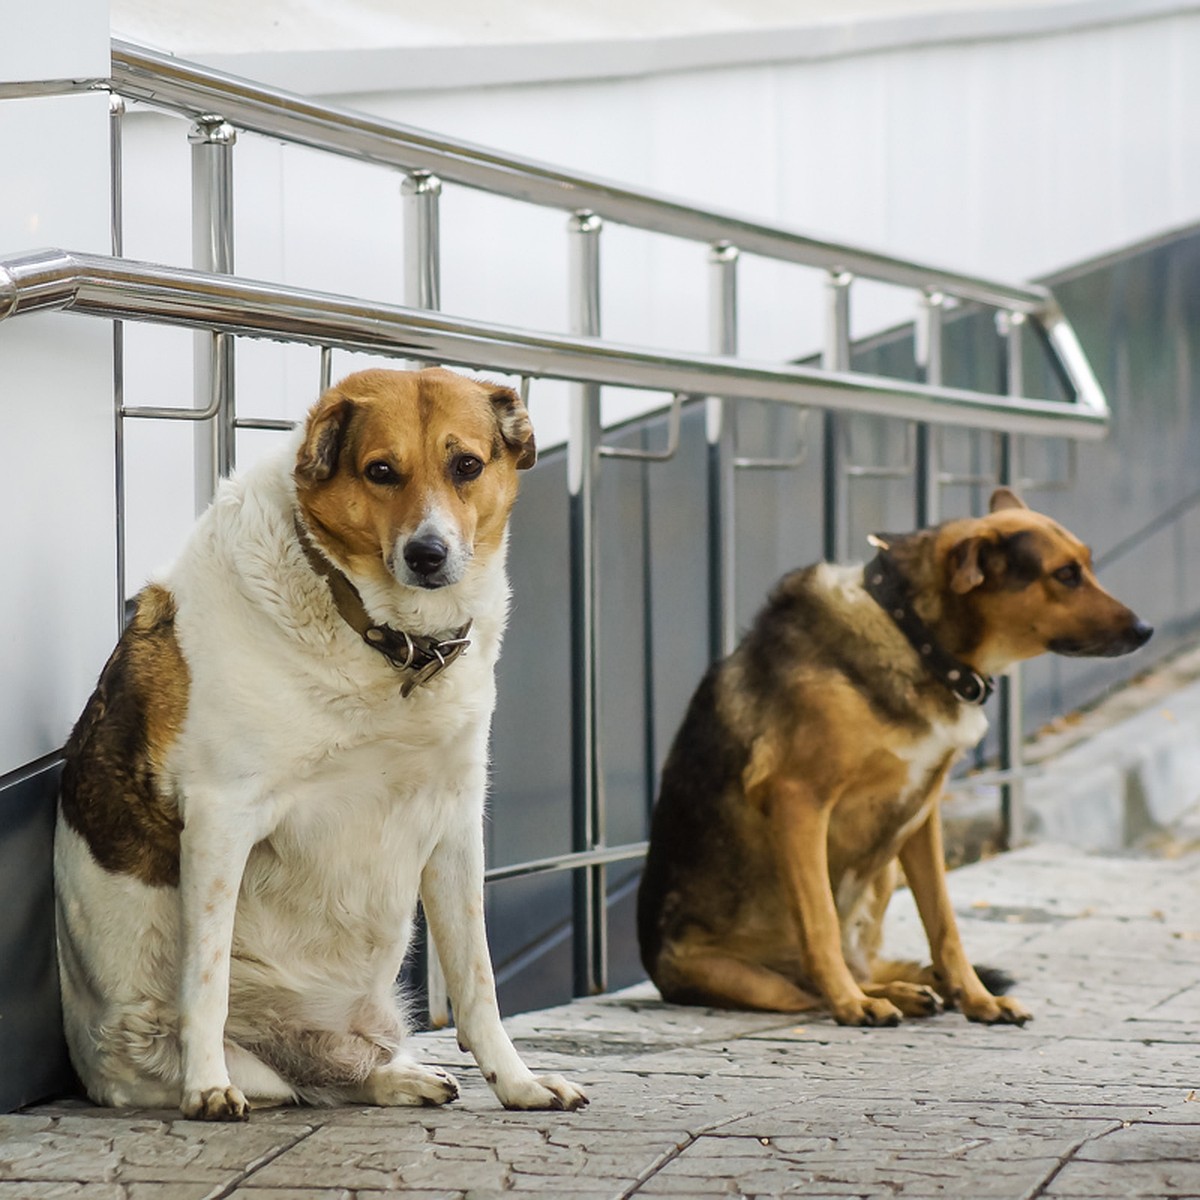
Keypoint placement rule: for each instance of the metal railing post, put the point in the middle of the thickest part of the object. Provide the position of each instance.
(583, 460)
(423, 289)
(719, 439)
(835, 356)
(929, 361)
(1012, 700)
(212, 140)
(422, 240)
(116, 123)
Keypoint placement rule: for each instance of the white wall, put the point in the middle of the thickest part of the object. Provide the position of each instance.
(58, 607)
(1009, 154)
(1007, 140)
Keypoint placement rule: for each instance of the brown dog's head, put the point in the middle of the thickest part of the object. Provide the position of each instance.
(408, 476)
(1017, 584)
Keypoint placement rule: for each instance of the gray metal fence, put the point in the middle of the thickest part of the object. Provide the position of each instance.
(682, 561)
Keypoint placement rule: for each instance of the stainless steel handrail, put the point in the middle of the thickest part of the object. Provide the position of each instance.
(124, 289)
(193, 90)
(119, 289)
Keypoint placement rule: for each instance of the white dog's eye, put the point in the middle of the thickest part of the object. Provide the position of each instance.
(467, 466)
(380, 472)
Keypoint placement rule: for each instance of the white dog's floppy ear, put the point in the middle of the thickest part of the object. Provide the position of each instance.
(1003, 498)
(323, 436)
(515, 427)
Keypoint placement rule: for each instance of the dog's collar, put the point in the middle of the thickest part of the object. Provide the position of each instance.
(888, 588)
(419, 656)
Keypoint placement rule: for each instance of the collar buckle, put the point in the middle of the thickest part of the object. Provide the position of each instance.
(884, 584)
(421, 657)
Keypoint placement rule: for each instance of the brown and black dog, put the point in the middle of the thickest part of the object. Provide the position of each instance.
(813, 757)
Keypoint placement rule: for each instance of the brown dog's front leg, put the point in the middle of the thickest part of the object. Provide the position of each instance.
(924, 862)
(800, 823)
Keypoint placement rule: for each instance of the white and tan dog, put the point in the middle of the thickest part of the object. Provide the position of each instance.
(286, 748)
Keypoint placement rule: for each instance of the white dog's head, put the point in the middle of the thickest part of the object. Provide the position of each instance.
(409, 476)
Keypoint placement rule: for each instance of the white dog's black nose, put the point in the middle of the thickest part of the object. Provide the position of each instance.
(425, 555)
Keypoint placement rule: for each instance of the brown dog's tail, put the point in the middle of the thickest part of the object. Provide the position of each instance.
(997, 981)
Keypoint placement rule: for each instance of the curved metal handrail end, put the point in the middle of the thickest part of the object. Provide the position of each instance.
(1060, 333)
(8, 293)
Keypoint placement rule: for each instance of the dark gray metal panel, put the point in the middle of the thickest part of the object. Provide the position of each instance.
(777, 513)
(678, 548)
(33, 1055)
(622, 638)
(530, 805)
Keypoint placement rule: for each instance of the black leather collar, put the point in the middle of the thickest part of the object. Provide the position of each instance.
(419, 656)
(890, 590)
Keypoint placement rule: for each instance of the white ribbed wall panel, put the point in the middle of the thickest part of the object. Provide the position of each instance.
(58, 606)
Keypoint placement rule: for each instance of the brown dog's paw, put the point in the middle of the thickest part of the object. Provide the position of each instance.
(867, 1011)
(995, 1010)
(912, 999)
(215, 1104)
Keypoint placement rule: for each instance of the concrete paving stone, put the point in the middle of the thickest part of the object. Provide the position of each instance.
(594, 1186)
(60, 1190)
(1110, 1063)
(853, 1172)
(1186, 1112)
(175, 1190)
(695, 1102)
(1160, 1181)
(1073, 997)
(664, 1184)
(1143, 1141)
(1183, 1008)
(257, 1193)
(1101, 942)
(138, 1149)
(405, 1193)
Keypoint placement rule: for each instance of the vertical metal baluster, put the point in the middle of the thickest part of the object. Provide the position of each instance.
(423, 289)
(325, 371)
(116, 114)
(719, 438)
(1012, 700)
(587, 784)
(212, 141)
(422, 240)
(930, 361)
(835, 356)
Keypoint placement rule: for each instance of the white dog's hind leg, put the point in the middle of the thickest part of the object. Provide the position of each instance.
(404, 1082)
(452, 892)
(262, 1087)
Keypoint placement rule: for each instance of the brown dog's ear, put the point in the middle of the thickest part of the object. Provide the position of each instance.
(1003, 498)
(965, 571)
(323, 437)
(515, 427)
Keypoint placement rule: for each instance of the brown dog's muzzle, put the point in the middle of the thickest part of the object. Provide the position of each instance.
(1125, 640)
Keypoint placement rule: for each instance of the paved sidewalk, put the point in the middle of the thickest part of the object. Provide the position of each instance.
(1094, 1098)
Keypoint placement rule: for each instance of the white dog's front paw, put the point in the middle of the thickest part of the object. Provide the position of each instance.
(406, 1083)
(542, 1091)
(215, 1104)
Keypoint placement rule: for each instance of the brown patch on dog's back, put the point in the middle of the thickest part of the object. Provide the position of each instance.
(112, 778)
